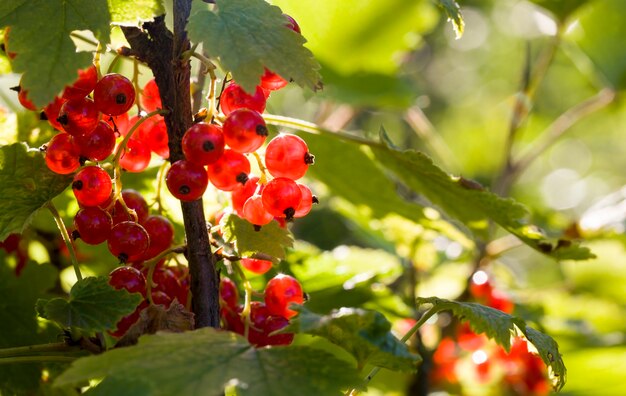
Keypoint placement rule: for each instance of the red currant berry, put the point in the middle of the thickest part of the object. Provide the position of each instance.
(272, 81)
(154, 135)
(136, 157)
(93, 225)
(150, 96)
(255, 212)
(288, 156)
(234, 97)
(62, 154)
(127, 321)
(51, 112)
(292, 24)
(161, 232)
(120, 123)
(128, 278)
(244, 130)
(98, 144)
(186, 181)
(133, 200)
(257, 266)
(281, 291)
(86, 82)
(166, 282)
(230, 171)
(92, 186)
(203, 143)
(308, 199)
(161, 298)
(22, 97)
(274, 323)
(114, 94)
(232, 320)
(229, 295)
(241, 194)
(128, 239)
(282, 197)
(78, 116)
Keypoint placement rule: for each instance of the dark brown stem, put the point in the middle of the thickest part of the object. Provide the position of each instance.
(162, 51)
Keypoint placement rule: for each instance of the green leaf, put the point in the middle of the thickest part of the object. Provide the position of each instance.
(131, 12)
(204, 361)
(40, 35)
(19, 321)
(562, 9)
(453, 11)
(271, 240)
(364, 334)
(27, 185)
(93, 306)
(470, 202)
(501, 327)
(247, 35)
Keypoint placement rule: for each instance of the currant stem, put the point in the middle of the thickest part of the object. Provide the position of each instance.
(31, 350)
(160, 177)
(247, 287)
(259, 160)
(152, 263)
(66, 238)
(136, 84)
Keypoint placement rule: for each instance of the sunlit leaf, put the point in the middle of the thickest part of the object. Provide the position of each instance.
(270, 240)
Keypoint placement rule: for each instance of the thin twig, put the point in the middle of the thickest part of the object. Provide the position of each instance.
(66, 238)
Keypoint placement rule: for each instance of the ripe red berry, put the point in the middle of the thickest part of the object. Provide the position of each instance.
(186, 181)
(128, 239)
(51, 112)
(234, 97)
(257, 266)
(150, 96)
(154, 135)
(230, 171)
(92, 186)
(114, 94)
(22, 97)
(136, 157)
(62, 154)
(161, 232)
(127, 321)
(255, 212)
(232, 320)
(282, 197)
(272, 81)
(203, 143)
(98, 144)
(84, 84)
(165, 281)
(133, 200)
(292, 24)
(281, 291)
(128, 278)
(274, 323)
(120, 123)
(244, 130)
(306, 203)
(93, 225)
(78, 116)
(241, 194)
(229, 295)
(288, 156)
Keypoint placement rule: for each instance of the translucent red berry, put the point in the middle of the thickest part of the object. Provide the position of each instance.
(128, 278)
(281, 197)
(62, 154)
(308, 199)
(136, 157)
(128, 239)
(161, 232)
(154, 135)
(127, 321)
(84, 84)
(78, 116)
(92, 186)
(257, 266)
(234, 97)
(186, 181)
(114, 94)
(244, 130)
(203, 143)
(292, 24)
(281, 291)
(150, 96)
(93, 225)
(22, 97)
(133, 200)
(98, 144)
(230, 171)
(51, 112)
(255, 212)
(288, 156)
(241, 194)
(229, 295)
(272, 81)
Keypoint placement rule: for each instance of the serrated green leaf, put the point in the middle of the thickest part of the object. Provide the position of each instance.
(247, 35)
(562, 9)
(27, 185)
(364, 334)
(270, 240)
(93, 306)
(204, 361)
(501, 327)
(18, 320)
(45, 53)
(453, 11)
(470, 202)
(131, 12)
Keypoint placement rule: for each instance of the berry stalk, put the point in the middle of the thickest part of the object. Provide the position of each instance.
(66, 238)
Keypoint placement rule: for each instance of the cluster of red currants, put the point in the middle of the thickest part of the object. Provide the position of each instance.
(265, 317)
